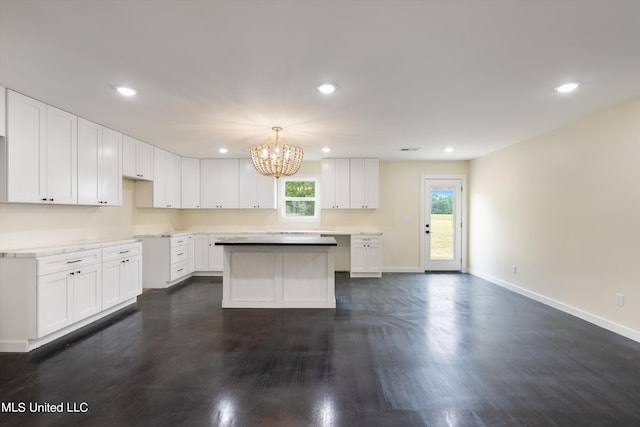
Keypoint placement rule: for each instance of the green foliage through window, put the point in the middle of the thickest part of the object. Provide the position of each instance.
(300, 189)
(441, 204)
(305, 208)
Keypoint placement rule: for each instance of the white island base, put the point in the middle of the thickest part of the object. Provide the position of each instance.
(279, 272)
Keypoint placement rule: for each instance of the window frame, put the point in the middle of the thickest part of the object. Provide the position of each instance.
(282, 200)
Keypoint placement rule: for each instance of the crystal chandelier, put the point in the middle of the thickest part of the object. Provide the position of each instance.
(277, 158)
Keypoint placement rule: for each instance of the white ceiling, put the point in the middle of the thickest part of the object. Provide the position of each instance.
(475, 75)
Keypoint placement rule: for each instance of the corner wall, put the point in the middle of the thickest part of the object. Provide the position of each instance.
(564, 208)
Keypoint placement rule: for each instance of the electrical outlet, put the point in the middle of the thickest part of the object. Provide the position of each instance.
(514, 269)
(620, 299)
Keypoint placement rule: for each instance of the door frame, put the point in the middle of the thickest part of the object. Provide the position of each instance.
(463, 216)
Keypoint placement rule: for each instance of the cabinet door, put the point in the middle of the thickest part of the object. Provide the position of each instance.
(335, 183)
(265, 191)
(55, 302)
(364, 183)
(160, 180)
(216, 253)
(87, 292)
(228, 183)
(173, 173)
(374, 258)
(247, 184)
(358, 257)
(89, 162)
(112, 292)
(191, 254)
(328, 183)
(371, 183)
(144, 161)
(209, 177)
(132, 277)
(129, 147)
(26, 148)
(62, 152)
(201, 252)
(190, 183)
(111, 167)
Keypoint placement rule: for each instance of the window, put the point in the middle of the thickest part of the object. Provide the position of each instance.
(299, 198)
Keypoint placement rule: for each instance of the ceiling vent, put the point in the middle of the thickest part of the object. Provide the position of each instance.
(410, 149)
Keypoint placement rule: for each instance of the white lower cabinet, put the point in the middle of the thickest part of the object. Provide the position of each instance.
(121, 274)
(366, 256)
(166, 260)
(216, 252)
(208, 255)
(43, 298)
(55, 302)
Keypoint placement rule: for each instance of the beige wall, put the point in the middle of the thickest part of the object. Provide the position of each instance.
(399, 200)
(565, 208)
(24, 225)
(27, 225)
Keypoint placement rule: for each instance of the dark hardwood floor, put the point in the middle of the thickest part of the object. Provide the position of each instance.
(404, 350)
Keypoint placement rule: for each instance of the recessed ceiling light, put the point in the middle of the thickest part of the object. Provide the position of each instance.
(326, 88)
(223, 150)
(448, 150)
(126, 91)
(567, 87)
(326, 149)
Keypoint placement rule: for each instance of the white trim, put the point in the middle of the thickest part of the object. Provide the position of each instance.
(465, 218)
(574, 311)
(281, 199)
(402, 270)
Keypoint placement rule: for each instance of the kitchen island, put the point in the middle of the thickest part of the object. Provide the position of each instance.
(279, 272)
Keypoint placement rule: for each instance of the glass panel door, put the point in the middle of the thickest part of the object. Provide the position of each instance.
(443, 236)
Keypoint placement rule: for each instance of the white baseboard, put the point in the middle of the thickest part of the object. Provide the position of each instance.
(581, 314)
(402, 270)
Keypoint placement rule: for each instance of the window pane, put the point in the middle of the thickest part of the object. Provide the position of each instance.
(305, 208)
(300, 189)
(442, 225)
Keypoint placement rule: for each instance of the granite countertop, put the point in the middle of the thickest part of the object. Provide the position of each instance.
(62, 249)
(324, 232)
(279, 241)
(164, 234)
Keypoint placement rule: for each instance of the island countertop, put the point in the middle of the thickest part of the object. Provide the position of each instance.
(279, 241)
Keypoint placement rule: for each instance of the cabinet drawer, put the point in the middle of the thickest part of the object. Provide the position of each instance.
(365, 239)
(179, 269)
(62, 262)
(179, 253)
(121, 251)
(179, 241)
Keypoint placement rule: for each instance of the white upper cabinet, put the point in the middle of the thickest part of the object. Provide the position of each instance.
(190, 183)
(137, 161)
(62, 152)
(26, 144)
(111, 173)
(219, 187)
(164, 191)
(3, 111)
(99, 165)
(334, 175)
(256, 190)
(40, 165)
(173, 186)
(364, 183)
